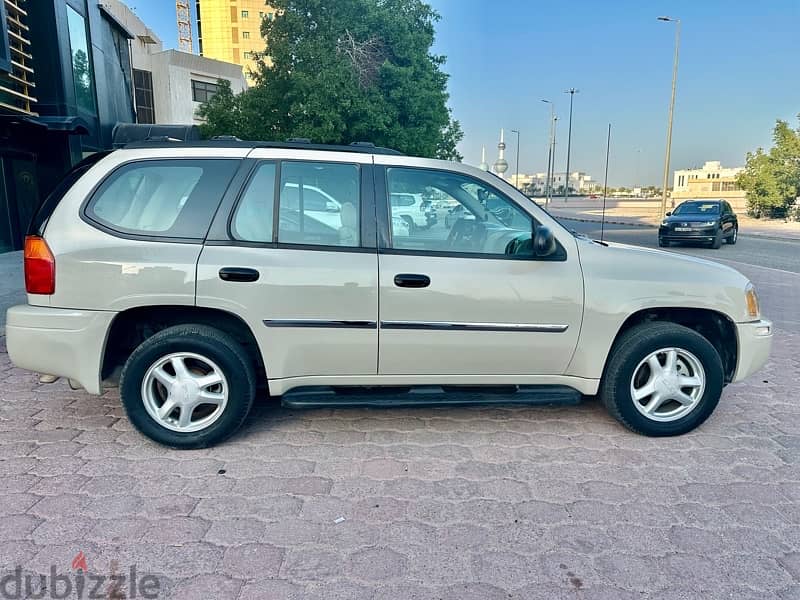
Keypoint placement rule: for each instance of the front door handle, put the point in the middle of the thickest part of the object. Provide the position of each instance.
(238, 274)
(411, 280)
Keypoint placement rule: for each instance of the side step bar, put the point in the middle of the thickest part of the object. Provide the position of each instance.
(533, 395)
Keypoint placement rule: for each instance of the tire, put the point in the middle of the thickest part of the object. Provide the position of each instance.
(733, 238)
(412, 227)
(662, 243)
(627, 360)
(717, 243)
(201, 350)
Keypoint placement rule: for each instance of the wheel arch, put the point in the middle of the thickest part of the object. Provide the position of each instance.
(131, 327)
(713, 325)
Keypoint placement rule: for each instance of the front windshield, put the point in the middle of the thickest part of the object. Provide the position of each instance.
(697, 208)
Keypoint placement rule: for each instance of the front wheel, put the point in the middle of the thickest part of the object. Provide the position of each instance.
(188, 386)
(662, 243)
(662, 379)
(717, 243)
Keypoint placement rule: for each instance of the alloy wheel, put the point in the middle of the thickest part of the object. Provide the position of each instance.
(668, 384)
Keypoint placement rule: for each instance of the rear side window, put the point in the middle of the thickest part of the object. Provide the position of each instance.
(253, 220)
(162, 198)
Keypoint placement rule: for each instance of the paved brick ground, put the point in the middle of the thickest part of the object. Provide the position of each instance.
(445, 503)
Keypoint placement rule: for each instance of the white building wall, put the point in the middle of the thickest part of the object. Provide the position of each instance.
(711, 170)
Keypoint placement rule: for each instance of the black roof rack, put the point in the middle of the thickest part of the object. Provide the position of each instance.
(233, 142)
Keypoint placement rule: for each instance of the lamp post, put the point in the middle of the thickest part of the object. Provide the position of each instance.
(551, 144)
(571, 92)
(517, 175)
(671, 109)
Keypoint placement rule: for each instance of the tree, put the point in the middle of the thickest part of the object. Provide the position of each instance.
(345, 71)
(772, 179)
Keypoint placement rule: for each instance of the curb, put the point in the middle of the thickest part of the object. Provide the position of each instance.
(763, 236)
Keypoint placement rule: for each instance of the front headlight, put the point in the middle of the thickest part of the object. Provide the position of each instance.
(708, 223)
(664, 223)
(752, 301)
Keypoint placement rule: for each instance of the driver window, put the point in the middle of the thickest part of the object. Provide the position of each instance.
(440, 211)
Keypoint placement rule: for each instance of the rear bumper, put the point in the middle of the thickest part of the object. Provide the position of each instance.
(755, 343)
(58, 341)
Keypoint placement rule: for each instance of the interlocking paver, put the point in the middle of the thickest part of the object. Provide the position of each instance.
(450, 503)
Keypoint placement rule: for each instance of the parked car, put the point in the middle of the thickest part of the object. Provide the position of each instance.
(201, 276)
(417, 212)
(706, 221)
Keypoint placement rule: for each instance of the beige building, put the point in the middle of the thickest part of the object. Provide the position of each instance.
(230, 30)
(711, 181)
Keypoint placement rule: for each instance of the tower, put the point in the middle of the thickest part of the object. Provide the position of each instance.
(483, 166)
(501, 165)
(185, 41)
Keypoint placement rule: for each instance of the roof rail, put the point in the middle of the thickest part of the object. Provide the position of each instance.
(233, 142)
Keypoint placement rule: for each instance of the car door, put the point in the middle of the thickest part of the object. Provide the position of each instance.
(464, 297)
(304, 278)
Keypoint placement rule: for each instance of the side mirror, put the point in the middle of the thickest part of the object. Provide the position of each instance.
(669, 213)
(332, 207)
(544, 243)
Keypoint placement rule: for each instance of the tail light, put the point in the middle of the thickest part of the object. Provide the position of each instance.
(40, 266)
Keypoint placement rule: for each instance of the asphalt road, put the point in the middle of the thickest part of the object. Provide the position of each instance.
(750, 250)
(772, 265)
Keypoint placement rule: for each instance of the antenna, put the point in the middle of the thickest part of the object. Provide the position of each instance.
(184, 14)
(605, 185)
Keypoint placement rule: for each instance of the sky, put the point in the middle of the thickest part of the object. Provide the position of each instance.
(738, 73)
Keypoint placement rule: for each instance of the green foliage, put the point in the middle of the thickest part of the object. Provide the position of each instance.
(772, 180)
(344, 71)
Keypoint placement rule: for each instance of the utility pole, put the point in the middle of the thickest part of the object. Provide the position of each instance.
(671, 109)
(518, 136)
(571, 92)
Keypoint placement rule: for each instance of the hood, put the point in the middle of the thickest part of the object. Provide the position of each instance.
(648, 277)
(691, 218)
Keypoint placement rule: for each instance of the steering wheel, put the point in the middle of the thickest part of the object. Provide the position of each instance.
(467, 234)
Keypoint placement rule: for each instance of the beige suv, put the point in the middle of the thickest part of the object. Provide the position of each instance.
(204, 275)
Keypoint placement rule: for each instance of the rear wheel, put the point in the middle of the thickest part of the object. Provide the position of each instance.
(734, 237)
(662, 379)
(410, 222)
(188, 386)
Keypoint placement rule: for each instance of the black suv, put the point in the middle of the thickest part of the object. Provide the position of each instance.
(706, 221)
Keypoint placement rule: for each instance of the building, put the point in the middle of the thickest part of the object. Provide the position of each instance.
(230, 30)
(170, 85)
(65, 82)
(711, 181)
(579, 182)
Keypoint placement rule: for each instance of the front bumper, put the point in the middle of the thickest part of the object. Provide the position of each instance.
(755, 342)
(697, 234)
(59, 341)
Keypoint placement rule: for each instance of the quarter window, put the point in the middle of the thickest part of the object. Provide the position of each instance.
(440, 211)
(319, 204)
(162, 198)
(254, 216)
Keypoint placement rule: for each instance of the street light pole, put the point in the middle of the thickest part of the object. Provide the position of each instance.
(571, 92)
(671, 110)
(517, 177)
(550, 150)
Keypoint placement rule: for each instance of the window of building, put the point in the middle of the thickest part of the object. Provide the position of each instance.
(246, 35)
(143, 91)
(253, 221)
(163, 198)
(245, 14)
(82, 75)
(320, 204)
(5, 50)
(202, 91)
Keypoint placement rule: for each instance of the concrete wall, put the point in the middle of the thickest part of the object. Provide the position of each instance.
(173, 72)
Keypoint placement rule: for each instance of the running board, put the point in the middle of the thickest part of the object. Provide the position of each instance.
(531, 395)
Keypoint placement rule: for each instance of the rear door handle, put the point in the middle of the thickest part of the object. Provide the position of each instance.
(412, 280)
(238, 274)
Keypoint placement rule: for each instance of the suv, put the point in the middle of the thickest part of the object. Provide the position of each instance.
(708, 221)
(202, 275)
(417, 212)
